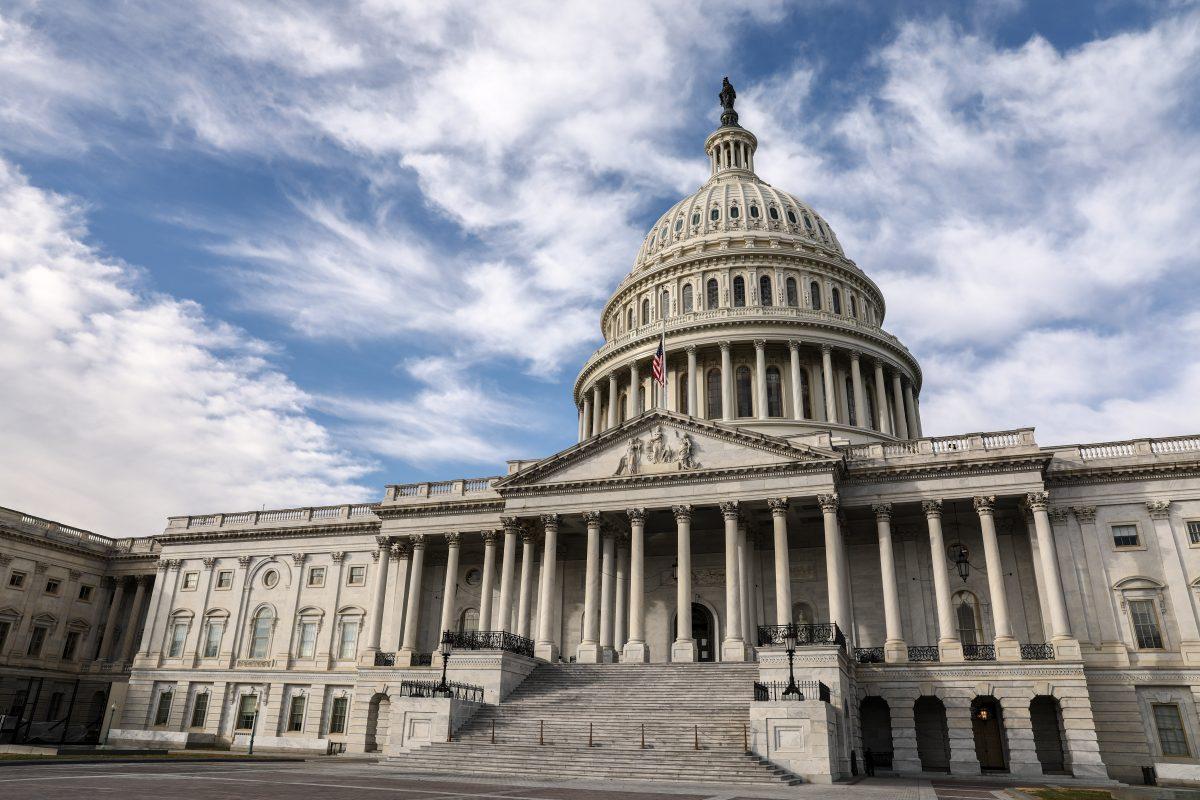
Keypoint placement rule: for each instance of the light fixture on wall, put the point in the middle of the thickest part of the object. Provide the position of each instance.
(959, 555)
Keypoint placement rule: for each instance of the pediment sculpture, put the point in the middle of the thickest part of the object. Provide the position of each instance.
(658, 450)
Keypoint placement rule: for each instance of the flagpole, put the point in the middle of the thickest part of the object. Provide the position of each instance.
(664, 349)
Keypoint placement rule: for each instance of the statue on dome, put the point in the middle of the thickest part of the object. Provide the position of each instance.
(727, 96)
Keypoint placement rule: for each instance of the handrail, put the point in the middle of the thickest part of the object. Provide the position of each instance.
(781, 690)
(459, 691)
(817, 633)
(490, 640)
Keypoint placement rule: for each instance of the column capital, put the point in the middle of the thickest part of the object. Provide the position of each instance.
(793, 344)
(725, 344)
(778, 505)
(490, 537)
(826, 348)
(760, 344)
(173, 564)
(592, 518)
(338, 556)
(511, 524)
(453, 538)
(1084, 513)
(1037, 501)
(382, 542)
(730, 510)
(1058, 515)
(417, 541)
(985, 504)
(550, 521)
(636, 514)
(855, 355)
(682, 513)
(932, 508)
(1159, 509)
(399, 551)
(298, 559)
(209, 562)
(141, 580)
(828, 502)
(883, 511)
(5, 559)
(690, 349)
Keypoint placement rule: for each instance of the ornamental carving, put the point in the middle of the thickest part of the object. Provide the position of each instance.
(1084, 513)
(682, 513)
(592, 518)
(636, 515)
(932, 508)
(490, 537)
(985, 505)
(730, 510)
(657, 450)
(1038, 501)
(399, 551)
(74, 574)
(298, 559)
(828, 502)
(550, 521)
(1158, 508)
(338, 556)
(1058, 516)
(883, 511)
(778, 505)
(244, 561)
(452, 538)
(209, 562)
(511, 524)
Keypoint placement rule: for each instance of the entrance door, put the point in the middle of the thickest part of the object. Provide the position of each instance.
(875, 722)
(1047, 740)
(704, 633)
(933, 737)
(989, 733)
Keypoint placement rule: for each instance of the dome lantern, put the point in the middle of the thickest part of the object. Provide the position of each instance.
(731, 147)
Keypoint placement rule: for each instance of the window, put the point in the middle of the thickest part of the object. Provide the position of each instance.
(695, 217)
(199, 710)
(1145, 625)
(316, 576)
(791, 215)
(734, 213)
(645, 311)
(348, 644)
(679, 225)
(358, 576)
(53, 585)
(260, 638)
(814, 293)
(753, 212)
(1125, 536)
(664, 305)
(854, 306)
(805, 395)
(1171, 736)
(296, 714)
(337, 714)
(1193, 532)
(162, 712)
(308, 639)
(715, 214)
(851, 414)
(774, 392)
(739, 291)
(835, 298)
(70, 646)
(5, 627)
(225, 579)
(687, 298)
(711, 294)
(629, 319)
(190, 581)
(178, 637)
(966, 613)
(712, 393)
(764, 291)
(622, 405)
(16, 579)
(745, 396)
(37, 638)
(247, 711)
(86, 592)
(684, 395)
(270, 578)
(468, 620)
(55, 706)
(793, 298)
(212, 639)
(807, 222)
(773, 212)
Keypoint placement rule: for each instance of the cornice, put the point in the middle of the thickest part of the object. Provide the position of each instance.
(351, 528)
(1081, 476)
(1006, 673)
(891, 473)
(483, 506)
(67, 547)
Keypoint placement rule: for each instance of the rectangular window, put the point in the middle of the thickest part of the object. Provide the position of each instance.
(1125, 536)
(308, 639)
(1171, 735)
(337, 715)
(1193, 529)
(246, 712)
(53, 585)
(1145, 624)
(55, 707)
(212, 641)
(199, 710)
(162, 714)
(86, 592)
(36, 639)
(190, 581)
(5, 627)
(349, 641)
(70, 646)
(358, 576)
(296, 714)
(225, 579)
(316, 576)
(178, 636)
(16, 580)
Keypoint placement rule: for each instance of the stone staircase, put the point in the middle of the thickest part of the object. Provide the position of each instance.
(591, 720)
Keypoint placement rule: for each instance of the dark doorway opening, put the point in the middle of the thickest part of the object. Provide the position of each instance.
(1046, 720)
(933, 736)
(989, 733)
(875, 720)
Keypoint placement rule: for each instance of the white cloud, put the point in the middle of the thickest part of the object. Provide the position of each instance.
(122, 407)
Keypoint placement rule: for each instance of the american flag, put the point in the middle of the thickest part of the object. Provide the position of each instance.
(658, 367)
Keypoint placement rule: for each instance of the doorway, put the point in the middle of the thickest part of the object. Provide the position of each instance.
(933, 736)
(875, 722)
(1046, 721)
(989, 733)
(704, 632)
(379, 713)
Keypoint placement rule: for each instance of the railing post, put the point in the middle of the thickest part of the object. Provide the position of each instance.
(696, 731)
(745, 737)
(493, 731)
(643, 736)
(541, 731)
(589, 734)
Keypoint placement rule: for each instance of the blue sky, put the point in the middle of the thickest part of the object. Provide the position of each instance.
(285, 253)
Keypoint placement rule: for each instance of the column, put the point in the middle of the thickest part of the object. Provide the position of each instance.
(487, 584)
(378, 598)
(450, 585)
(835, 562)
(885, 419)
(910, 411)
(608, 585)
(412, 613)
(827, 377)
(597, 410)
(582, 435)
(504, 620)
(110, 624)
(529, 543)
(797, 387)
(760, 377)
(1179, 587)
(587, 416)
(613, 396)
(734, 646)
(949, 646)
(392, 627)
(692, 409)
(745, 579)
(860, 399)
(588, 651)
(684, 647)
(636, 648)
(135, 615)
(1064, 643)
(1102, 597)
(783, 567)
(621, 586)
(1007, 647)
(894, 647)
(898, 407)
(727, 411)
(635, 389)
(546, 647)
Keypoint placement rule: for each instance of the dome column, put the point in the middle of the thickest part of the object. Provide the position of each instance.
(797, 388)
(586, 428)
(635, 388)
(691, 381)
(860, 399)
(885, 419)
(760, 376)
(612, 399)
(910, 411)
(597, 418)
(726, 382)
(898, 407)
(827, 374)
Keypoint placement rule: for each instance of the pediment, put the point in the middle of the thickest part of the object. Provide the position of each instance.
(663, 443)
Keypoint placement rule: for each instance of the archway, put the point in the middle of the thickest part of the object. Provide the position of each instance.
(933, 736)
(988, 727)
(1045, 717)
(875, 722)
(704, 632)
(379, 714)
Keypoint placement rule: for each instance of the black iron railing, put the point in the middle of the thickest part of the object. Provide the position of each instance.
(1037, 652)
(806, 635)
(383, 659)
(422, 659)
(979, 652)
(778, 690)
(868, 655)
(491, 640)
(924, 652)
(459, 691)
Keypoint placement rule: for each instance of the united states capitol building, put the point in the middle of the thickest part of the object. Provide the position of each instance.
(965, 604)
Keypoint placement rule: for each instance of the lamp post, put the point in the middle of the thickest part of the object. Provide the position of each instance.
(789, 642)
(253, 721)
(443, 688)
(961, 562)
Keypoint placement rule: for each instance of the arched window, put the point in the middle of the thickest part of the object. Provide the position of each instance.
(814, 292)
(682, 402)
(774, 393)
(791, 215)
(854, 306)
(793, 297)
(664, 305)
(260, 633)
(687, 298)
(872, 415)
(807, 222)
(853, 417)
(745, 394)
(468, 620)
(349, 624)
(764, 291)
(645, 312)
(715, 214)
(711, 294)
(805, 394)
(734, 212)
(695, 217)
(629, 319)
(712, 393)
(835, 298)
(773, 212)
(739, 291)
(966, 612)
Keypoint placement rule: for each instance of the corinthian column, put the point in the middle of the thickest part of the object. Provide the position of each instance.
(636, 648)
(110, 625)
(835, 562)
(608, 585)
(528, 542)
(727, 411)
(597, 410)
(827, 375)
(797, 387)
(885, 419)
(621, 587)
(588, 651)
(1007, 648)
(1060, 624)
(692, 408)
(783, 568)
(760, 376)
(412, 614)
(948, 642)
(734, 646)
(684, 648)
(378, 598)
(507, 566)
(635, 388)
(546, 647)
(450, 586)
(898, 407)
(487, 584)
(612, 399)
(860, 399)
(894, 648)
(134, 618)
(586, 428)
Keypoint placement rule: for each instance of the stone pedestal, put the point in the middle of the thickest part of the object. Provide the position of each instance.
(588, 653)
(732, 650)
(1007, 648)
(950, 652)
(683, 650)
(416, 722)
(800, 736)
(546, 651)
(895, 652)
(636, 653)
(1066, 648)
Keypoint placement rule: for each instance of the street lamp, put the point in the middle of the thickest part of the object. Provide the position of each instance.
(790, 636)
(253, 721)
(443, 688)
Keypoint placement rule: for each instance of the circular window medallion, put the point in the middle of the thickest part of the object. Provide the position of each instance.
(474, 577)
(270, 578)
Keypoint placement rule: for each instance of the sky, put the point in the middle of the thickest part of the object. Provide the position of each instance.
(259, 254)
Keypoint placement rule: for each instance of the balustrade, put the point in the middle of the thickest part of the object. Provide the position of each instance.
(868, 655)
(1037, 652)
(806, 635)
(777, 690)
(923, 652)
(490, 640)
(979, 652)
